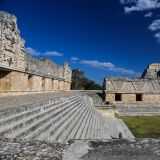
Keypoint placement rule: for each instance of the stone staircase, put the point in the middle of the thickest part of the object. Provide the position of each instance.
(59, 120)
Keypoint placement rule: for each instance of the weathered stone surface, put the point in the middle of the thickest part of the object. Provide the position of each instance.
(129, 88)
(20, 149)
(13, 54)
(19, 72)
(12, 51)
(47, 68)
(152, 71)
(135, 149)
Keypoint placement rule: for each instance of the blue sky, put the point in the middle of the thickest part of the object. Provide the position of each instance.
(101, 37)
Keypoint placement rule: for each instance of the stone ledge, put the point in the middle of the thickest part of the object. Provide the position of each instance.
(133, 149)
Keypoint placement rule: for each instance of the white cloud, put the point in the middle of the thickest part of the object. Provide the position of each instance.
(157, 36)
(34, 52)
(97, 64)
(148, 15)
(108, 66)
(155, 25)
(74, 59)
(124, 71)
(140, 5)
(52, 53)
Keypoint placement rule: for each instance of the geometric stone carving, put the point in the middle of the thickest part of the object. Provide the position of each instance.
(11, 44)
(14, 57)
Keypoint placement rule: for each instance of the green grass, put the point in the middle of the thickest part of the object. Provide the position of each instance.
(143, 126)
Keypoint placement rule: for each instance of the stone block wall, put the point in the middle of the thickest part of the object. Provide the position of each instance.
(128, 98)
(19, 72)
(151, 98)
(35, 83)
(13, 81)
(47, 84)
(18, 81)
(109, 97)
(5, 79)
(132, 90)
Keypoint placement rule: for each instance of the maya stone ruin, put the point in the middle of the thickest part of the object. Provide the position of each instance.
(144, 90)
(69, 125)
(32, 74)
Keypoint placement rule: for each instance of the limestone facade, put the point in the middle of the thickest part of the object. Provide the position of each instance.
(20, 72)
(133, 90)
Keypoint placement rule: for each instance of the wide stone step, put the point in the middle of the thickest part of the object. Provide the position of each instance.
(69, 132)
(34, 127)
(64, 125)
(20, 115)
(59, 120)
(82, 126)
(23, 108)
(78, 125)
(49, 132)
(95, 126)
(87, 124)
(90, 126)
(42, 132)
(31, 119)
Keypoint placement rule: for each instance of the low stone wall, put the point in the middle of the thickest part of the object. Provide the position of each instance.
(107, 111)
(138, 109)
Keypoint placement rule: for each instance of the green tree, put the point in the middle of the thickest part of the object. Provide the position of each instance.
(80, 82)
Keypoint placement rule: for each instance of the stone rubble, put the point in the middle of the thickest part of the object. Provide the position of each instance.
(20, 149)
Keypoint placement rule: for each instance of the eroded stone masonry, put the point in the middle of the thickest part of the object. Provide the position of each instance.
(144, 90)
(19, 72)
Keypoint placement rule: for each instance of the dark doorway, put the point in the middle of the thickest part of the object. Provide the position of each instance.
(158, 74)
(138, 97)
(118, 97)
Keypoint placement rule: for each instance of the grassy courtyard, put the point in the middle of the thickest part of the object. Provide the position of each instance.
(143, 126)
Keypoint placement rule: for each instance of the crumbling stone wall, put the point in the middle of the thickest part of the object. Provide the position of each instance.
(12, 51)
(20, 71)
(43, 67)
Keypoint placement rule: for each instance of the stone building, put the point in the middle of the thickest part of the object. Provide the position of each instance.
(144, 90)
(19, 72)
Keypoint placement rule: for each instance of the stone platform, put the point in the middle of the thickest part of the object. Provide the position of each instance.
(57, 118)
(18, 100)
(133, 149)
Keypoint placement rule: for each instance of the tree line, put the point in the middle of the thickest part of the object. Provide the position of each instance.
(80, 82)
